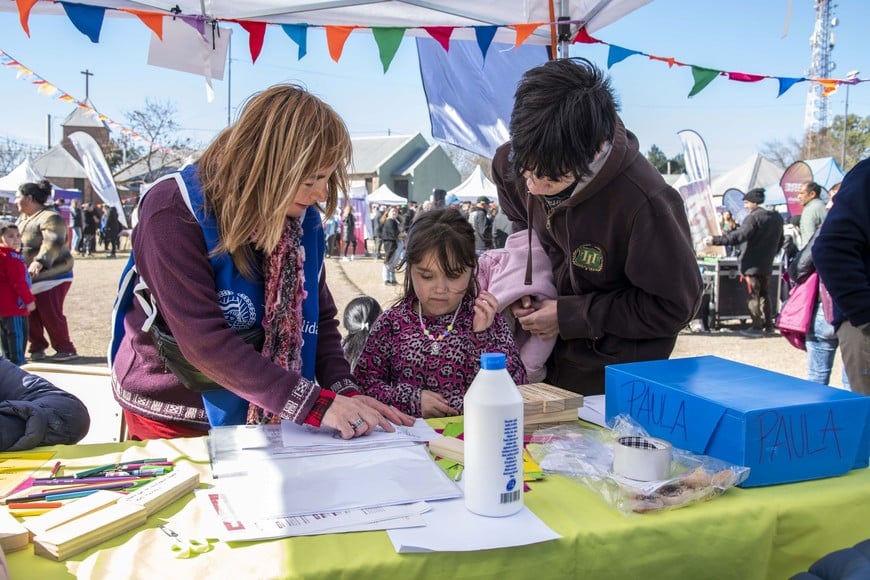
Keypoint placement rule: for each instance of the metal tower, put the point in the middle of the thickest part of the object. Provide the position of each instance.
(822, 43)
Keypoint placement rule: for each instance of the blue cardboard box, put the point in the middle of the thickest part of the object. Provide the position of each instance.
(784, 429)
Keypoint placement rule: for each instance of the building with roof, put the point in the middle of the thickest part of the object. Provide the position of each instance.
(407, 164)
(61, 164)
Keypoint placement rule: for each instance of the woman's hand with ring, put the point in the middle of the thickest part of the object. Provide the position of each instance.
(345, 412)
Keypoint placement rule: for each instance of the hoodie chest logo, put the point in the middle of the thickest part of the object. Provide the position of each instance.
(589, 257)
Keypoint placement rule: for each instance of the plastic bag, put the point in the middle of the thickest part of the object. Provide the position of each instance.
(586, 454)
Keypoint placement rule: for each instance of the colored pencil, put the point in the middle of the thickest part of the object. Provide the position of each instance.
(34, 505)
(111, 466)
(74, 480)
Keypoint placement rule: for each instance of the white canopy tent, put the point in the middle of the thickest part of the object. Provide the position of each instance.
(593, 14)
(385, 195)
(24, 173)
(754, 171)
(474, 186)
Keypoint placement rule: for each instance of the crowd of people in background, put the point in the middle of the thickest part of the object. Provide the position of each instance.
(490, 225)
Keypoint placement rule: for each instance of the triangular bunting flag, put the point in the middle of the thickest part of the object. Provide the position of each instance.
(584, 38)
(830, 86)
(88, 19)
(153, 20)
(388, 40)
(668, 59)
(24, 7)
(441, 34)
(618, 54)
(336, 36)
(484, 36)
(786, 83)
(703, 77)
(194, 22)
(744, 77)
(256, 35)
(298, 33)
(524, 31)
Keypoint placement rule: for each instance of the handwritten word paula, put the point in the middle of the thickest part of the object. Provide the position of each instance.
(652, 408)
(790, 436)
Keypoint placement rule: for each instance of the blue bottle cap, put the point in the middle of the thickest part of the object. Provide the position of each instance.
(492, 361)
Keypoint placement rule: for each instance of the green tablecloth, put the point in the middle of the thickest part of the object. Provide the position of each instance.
(770, 532)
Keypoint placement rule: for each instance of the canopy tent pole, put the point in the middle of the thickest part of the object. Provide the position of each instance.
(564, 29)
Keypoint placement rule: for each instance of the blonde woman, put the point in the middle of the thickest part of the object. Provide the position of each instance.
(226, 246)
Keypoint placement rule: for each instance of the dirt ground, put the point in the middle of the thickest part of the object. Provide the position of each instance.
(89, 305)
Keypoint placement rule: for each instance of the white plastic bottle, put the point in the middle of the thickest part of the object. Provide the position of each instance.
(493, 474)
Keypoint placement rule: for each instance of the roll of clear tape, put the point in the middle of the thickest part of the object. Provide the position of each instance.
(642, 458)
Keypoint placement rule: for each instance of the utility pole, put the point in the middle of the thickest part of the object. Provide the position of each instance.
(87, 74)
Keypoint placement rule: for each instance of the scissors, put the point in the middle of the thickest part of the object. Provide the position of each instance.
(185, 548)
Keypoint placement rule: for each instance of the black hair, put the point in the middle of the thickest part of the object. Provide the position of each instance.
(815, 188)
(564, 111)
(40, 192)
(359, 316)
(447, 233)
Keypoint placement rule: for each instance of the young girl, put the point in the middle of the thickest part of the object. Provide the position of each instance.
(423, 353)
(359, 316)
(16, 299)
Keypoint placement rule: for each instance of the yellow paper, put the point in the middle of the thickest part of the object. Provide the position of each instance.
(531, 470)
(16, 468)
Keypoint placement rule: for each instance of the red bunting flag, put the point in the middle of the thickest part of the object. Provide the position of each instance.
(441, 34)
(256, 35)
(584, 38)
(745, 77)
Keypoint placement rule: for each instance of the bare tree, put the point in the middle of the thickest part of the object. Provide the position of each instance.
(13, 152)
(156, 122)
(465, 161)
(853, 136)
(783, 153)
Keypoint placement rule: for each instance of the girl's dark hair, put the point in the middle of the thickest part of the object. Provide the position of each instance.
(446, 233)
(359, 316)
(40, 192)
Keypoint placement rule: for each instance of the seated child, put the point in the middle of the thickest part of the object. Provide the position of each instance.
(423, 353)
(16, 299)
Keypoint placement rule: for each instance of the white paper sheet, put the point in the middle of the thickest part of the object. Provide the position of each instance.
(225, 524)
(450, 527)
(235, 450)
(338, 481)
(592, 410)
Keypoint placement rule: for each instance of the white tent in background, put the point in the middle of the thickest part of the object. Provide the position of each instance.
(755, 171)
(385, 195)
(24, 173)
(474, 186)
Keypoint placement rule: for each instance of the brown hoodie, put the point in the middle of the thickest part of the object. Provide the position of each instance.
(623, 262)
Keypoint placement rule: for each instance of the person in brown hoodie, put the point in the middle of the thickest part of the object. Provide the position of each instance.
(616, 234)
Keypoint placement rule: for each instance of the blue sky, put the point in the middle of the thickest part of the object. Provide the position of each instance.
(735, 119)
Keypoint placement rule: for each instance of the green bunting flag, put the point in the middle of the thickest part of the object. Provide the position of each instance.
(388, 41)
